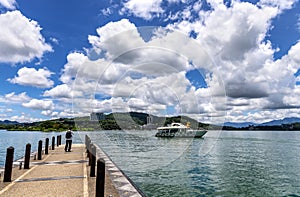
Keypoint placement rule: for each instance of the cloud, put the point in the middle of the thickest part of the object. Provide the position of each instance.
(298, 23)
(132, 72)
(115, 38)
(39, 104)
(8, 4)
(235, 37)
(74, 62)
(54, 40)
(144, 9)
(18, 98)
(32, 77)
(88, 105)
(62, 91)
(106, 11)
(281, 5)
(16, 47)
(139, 75)
(121, 42)
(50, 113)
(24, 118)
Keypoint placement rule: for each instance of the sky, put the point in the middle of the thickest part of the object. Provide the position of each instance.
(213, 60)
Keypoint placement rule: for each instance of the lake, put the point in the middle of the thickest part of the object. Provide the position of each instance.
(227, 163)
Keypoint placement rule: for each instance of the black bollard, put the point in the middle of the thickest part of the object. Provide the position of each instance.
(46, 146)
(40, 147)
(57, 141)
(100, 179)
(93, 161)
(27, 156)
(8, 164)
(53, 143)
(85, 142)
(90, 152)
(88, 146)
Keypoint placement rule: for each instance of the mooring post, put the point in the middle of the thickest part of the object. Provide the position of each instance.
(93, 161)
(8, 164)
(46, 146)
(90, 152)
(85, 142)
(57, 141)
(88, 141)
(100, 179)
(40, 147)
(27, 156)
(53, 143)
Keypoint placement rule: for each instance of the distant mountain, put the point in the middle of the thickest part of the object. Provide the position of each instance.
(239, 124)
(8, 122)
(282, 121)
(270, 123)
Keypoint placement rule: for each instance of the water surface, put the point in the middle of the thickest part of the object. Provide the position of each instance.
(228, 163)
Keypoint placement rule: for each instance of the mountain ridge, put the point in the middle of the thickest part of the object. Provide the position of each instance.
(115, 120)
(288, 120)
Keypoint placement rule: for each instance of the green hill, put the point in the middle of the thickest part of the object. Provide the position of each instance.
(113, 121)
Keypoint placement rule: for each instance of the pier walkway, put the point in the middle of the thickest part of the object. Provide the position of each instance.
(59, 173)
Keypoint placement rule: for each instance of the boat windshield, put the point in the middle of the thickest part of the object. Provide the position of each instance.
(176, 124)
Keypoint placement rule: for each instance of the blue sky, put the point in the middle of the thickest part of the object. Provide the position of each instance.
(212, 60)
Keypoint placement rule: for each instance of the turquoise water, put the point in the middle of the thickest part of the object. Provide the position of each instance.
(228, 163)
(19, 139)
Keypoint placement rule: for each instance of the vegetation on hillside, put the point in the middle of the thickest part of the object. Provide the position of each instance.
(132, 120)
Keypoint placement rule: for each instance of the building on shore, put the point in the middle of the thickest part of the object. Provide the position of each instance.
(150, 125)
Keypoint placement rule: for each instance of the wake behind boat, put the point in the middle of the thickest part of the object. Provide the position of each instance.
(179, 130)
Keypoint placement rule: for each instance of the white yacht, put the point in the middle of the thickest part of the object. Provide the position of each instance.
(179, 130)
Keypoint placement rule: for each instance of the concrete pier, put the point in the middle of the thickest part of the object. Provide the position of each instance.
(59, 173)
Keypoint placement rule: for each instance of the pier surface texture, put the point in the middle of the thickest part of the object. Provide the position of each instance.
(59, 173)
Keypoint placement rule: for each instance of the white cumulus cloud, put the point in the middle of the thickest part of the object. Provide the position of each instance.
(39, 104)
(280, 4)
(20, 39)
(13, 97)
(231, 51)
(144, 9)
(62, 91)
(9, 4)
(32, 77)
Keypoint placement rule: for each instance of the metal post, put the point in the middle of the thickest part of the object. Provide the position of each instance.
(46, 146)
(93, 161)
(85, 141)
(53, 143)
(27, 156)
(40, 147)
(8, 164)
(59, 140)
(88, 141)
(90, 152)
(100, 179)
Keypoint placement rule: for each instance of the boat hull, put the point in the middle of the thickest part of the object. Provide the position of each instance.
(179, 134)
